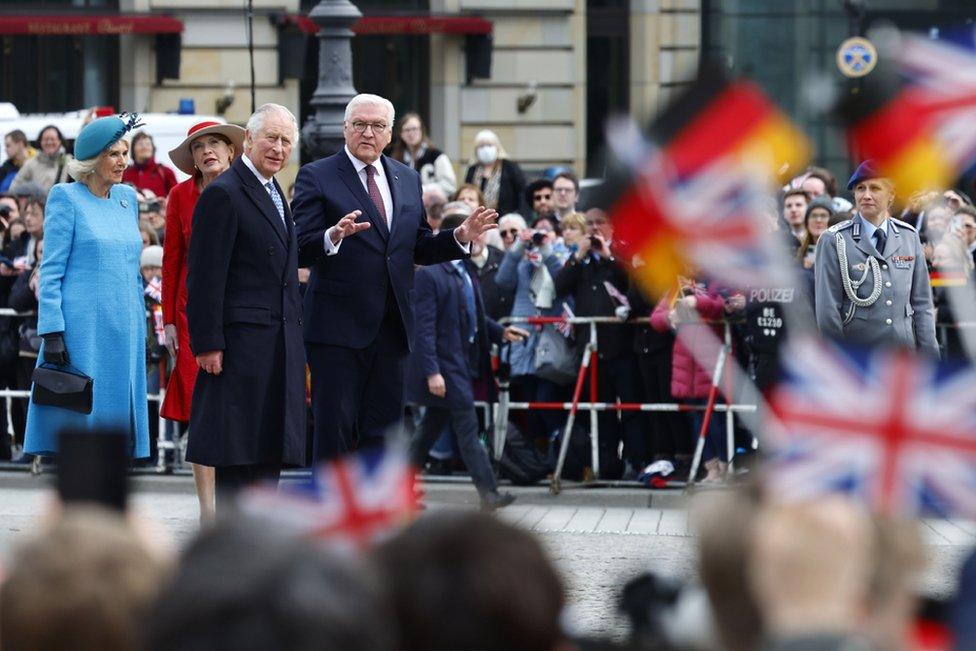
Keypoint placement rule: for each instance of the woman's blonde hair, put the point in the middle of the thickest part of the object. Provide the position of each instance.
(573, 220)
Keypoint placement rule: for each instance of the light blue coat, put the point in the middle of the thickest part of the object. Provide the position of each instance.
(91, 290)
(515, 273)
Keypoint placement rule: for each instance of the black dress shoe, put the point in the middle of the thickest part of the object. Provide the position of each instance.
(494, 501)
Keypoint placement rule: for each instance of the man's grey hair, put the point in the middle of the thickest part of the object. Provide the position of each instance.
(256, 122)
(457, 208)
(366, 99)
(517, 220)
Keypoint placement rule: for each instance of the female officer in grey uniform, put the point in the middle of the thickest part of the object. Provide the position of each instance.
(872, 286)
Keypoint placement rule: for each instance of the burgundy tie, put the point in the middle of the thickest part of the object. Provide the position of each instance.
(374, 193)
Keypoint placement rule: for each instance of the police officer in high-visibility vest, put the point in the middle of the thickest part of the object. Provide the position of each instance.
(872, 286)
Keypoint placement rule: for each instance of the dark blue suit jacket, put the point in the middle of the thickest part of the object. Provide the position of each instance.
(440, 345)
(346, 296)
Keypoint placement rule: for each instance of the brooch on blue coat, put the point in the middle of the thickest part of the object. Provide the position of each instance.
(125, 204)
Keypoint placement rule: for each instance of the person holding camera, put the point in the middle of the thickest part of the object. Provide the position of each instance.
(598, 283)
(528, 269)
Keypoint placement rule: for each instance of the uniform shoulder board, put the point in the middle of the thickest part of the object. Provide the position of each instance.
(839, 226)
(900, 224)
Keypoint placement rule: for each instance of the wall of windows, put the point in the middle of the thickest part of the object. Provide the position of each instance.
(783, 44)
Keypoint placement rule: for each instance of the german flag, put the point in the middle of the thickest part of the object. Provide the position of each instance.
(948, 278)
(892, 124)
(717, 118)
(688, 203)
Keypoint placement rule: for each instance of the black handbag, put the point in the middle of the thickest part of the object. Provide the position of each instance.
(62, 386)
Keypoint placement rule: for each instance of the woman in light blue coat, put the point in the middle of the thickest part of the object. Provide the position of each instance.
(91, 313)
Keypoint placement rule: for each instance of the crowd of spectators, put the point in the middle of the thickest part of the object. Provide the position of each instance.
(766, 575)
(551, 256)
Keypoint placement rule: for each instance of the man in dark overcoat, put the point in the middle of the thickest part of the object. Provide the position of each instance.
(245, 316)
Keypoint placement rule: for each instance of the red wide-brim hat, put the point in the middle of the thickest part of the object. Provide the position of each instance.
(182, 157)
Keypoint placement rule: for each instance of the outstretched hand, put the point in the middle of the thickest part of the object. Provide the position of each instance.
(480, 221)
(348, 226)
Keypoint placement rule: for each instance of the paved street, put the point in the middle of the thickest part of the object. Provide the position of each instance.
(598, 537)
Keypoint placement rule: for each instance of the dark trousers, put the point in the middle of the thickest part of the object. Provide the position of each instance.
(671, 433)
(464, 422)
(617, 379)
(357, 391)
(14, 375)
(229, 480)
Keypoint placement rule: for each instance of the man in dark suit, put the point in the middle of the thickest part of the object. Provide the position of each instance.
(483, 264)
(244, 314)
(359, 303)
(451, 351)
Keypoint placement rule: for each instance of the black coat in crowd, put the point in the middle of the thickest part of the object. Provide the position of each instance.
(583, 280)
(511, 186)
(497, 301)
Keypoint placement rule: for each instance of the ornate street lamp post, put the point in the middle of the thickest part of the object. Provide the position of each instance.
(322, 133)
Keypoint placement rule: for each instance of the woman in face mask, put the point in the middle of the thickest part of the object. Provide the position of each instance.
(501, 180)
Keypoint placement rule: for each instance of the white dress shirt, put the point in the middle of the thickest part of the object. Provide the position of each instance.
(263, 180)
(383, 185)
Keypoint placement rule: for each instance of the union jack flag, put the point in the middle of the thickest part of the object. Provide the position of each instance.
(565, 328)
(942, 73)
(350, 502)
(892, 428)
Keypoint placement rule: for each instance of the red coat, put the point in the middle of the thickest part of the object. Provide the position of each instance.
(688, 379)
(179, 219)
(151, 176)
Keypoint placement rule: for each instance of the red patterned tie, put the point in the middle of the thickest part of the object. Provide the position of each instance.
(374, 193)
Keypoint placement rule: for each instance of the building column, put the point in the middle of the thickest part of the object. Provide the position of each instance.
(664, 51)
(136, 63)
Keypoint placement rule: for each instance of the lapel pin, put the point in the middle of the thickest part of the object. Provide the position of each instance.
(125, 204)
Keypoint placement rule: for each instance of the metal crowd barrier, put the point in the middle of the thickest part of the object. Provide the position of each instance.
(588, 364)
(163, 443)
(495, 415)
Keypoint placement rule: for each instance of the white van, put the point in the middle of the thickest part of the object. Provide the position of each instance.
(167, 129)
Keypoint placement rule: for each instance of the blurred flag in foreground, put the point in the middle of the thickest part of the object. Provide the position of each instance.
(695, 195)
(895, 429)
(915, 116)
(349, 502)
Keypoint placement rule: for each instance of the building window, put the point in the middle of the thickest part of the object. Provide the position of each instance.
(607, 72)
(780, 44)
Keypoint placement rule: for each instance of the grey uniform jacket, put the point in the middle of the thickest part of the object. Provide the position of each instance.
(903, 313)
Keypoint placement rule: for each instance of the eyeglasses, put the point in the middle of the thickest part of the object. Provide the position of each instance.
(563, 190)
(360, 127)
(406, 129)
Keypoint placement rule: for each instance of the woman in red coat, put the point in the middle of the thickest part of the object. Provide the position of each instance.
(145, 173)
(207, 151)
(696, 309)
